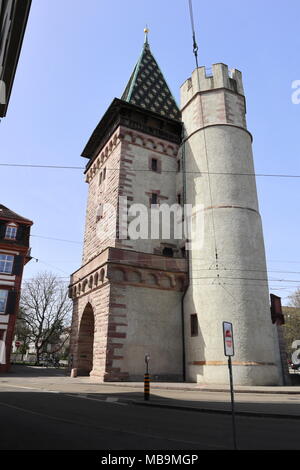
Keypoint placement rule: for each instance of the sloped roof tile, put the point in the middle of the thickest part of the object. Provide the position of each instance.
(148, 88)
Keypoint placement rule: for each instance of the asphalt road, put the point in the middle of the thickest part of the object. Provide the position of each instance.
(35, 420)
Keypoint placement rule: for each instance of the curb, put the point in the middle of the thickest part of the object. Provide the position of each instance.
(190, 389)
(253, 414)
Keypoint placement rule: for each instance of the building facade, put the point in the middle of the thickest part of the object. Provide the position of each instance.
(163, 293)
(13, 20)
(14, 254)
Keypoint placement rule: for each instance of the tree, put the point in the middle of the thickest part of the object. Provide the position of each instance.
(22, 332)
(292, 321)
(45, 310)
(295, 299)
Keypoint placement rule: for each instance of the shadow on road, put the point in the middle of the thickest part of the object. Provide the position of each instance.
(19, 370)
(64, 421)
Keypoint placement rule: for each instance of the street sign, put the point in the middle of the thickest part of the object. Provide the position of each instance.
(229, 352)
(228, 339)
(18, 344)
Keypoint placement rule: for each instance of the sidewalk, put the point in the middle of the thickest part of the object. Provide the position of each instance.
(293, 390)
(271, 402)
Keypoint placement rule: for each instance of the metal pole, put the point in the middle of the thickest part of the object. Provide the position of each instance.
(232, 403)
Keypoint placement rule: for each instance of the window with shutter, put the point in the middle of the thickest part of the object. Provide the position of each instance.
(18, 265)
(2, 230)
(11, 302)
(3, 301)
(20, 233)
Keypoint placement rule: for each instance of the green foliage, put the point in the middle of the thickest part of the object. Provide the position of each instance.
(291, 327)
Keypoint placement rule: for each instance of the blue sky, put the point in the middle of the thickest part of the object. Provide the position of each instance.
(78, 55)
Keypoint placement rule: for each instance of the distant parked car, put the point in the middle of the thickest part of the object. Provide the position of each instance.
(294, 366)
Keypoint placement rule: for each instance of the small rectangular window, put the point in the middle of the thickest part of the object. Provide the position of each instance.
(154, 199)
(194, 324)
(178, 165)
(11, 232)
(99, 213)
(154, 164)
(6, 263)
(3, 300)
(179, 199)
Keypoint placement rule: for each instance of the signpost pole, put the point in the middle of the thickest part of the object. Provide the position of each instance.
(229, 352)
(232, 403)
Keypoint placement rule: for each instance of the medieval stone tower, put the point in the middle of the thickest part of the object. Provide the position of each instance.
(150, 294)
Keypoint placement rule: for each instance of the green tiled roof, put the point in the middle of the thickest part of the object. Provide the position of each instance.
(148, 88)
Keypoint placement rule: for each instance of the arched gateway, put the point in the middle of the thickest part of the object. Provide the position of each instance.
(86, 341)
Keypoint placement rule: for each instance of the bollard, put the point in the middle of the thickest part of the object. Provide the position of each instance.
(73, 373)
(146, 387)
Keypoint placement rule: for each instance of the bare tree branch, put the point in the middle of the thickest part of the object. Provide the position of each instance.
(45, 308)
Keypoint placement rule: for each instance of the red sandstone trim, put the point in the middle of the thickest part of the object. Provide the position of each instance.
(231, 207)
(217, 125)
(235, 363)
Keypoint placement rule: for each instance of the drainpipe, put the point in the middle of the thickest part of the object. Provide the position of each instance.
(187, 258)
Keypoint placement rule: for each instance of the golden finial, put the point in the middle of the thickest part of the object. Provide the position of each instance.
(146, 31)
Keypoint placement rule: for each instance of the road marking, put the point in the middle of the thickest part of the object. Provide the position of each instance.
(111, 400)
(44, 390)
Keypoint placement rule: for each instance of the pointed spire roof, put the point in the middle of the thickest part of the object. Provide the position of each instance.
(148, 88)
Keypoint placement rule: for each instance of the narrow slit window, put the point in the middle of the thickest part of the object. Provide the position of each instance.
(154, 166)
(194, 325)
